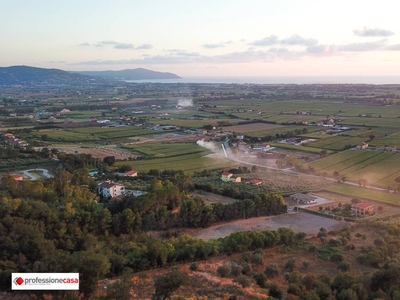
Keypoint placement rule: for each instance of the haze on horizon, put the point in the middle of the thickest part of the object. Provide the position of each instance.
(205, 38)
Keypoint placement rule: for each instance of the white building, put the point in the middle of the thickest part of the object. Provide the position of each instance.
(111, 189)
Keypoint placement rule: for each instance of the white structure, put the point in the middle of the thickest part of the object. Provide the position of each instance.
(111, 189)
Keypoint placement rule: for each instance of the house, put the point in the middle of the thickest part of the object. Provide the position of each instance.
(362, 209)
(111, 189)
(65, 111)
(362, 145)
(225, 176)
(229, 177)
(8, 135)
(235, 178)
(131, 173)
(18, 177)
(304, 198)
(255, 181)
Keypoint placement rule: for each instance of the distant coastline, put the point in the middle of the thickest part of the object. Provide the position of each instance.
(282, 80)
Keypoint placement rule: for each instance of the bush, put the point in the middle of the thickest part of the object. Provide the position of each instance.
(224, 271)
(271, 271)
(261, 280)
(336, 257)
(344, 266)
(290, 265)
(258, 259)
(244, 281)
(236, 270)
(194, 266)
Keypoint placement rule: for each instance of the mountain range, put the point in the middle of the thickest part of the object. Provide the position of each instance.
(22, 75)
(131, 74)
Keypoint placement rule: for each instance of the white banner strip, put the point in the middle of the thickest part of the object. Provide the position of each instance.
(44, 281)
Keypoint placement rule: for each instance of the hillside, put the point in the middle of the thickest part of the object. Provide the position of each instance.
(25, 75)
(131, 74)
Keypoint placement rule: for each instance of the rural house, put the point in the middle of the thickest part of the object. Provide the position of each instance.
(131, 173)
(111, 189)
(362, 145)
(362, 209)
(229, 177)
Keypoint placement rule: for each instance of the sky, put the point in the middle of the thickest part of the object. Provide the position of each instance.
(205, 38)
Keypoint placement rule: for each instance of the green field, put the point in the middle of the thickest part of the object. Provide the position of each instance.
(164, 150)
(91, 134)
(186, 162)
(336, 142)
(355, 191)
(378, 168)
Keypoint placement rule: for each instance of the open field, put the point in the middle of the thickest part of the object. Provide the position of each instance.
(298, 222)
(378, 168)
(210, 198)
(90, 134)
(164, 150)
(253, 127)
(355, 191)
(337, 142)
(186, 162)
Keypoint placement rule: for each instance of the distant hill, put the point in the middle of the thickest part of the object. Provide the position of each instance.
(131, 74)
(31, 75)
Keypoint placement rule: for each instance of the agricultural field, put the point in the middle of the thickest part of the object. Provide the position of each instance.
(336, 142)
(378, 168)
(298, 148)
(164, 150)
(189, 163)
(275, 181)
(90, 134)
(355, 191)
(195, 123)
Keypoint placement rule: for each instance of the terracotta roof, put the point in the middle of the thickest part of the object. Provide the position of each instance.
(363, 205)
(131, 172)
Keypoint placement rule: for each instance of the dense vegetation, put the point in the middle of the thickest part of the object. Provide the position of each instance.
(57, 226)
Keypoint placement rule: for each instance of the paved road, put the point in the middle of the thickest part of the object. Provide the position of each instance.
(45, 174)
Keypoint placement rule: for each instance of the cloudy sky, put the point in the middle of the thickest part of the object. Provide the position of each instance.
(206, 37)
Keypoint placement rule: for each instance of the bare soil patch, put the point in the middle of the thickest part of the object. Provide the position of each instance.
(210, 198)
(298, 222)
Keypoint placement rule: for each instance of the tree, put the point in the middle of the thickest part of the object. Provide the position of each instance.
(166, 284)
(109, 160)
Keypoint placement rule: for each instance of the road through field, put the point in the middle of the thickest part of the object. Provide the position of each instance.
(229, 155)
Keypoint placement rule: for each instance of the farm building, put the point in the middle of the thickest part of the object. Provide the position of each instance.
(304, 198)
(255, 181)
(131, 173)
(229, 177)
(362, 145)
(362, 209)
(111, 189)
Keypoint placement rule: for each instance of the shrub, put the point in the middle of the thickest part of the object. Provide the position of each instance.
(258, 259)
(224, 271)
(336, 257)
(236, 270)
(290, 265)
(271, 271)
(244, 281)
(344, 266)
(194, 266)
(261, 280)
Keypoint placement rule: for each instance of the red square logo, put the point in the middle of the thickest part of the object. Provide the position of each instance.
(18, 281)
